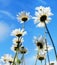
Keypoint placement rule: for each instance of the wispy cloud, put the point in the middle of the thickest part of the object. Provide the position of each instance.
(30, 60)
(7, 13)
(5, 30)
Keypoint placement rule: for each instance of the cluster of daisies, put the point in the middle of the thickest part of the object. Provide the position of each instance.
(17, 47)
(42, 16)
(18, 43)
(42, 47)
(7, 59)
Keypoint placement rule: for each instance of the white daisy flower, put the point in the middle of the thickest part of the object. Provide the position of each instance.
(17, 44)
(40, 42)
(16, 40)
(23, 50)
(48, 48)
(7, 58)
(41, 55)
(42, 15)
(18, 32)
(52, 63)
(23, 16)
(14, 48)
(10, 59)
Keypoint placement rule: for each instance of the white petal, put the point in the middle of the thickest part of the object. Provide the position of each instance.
(50, 47)
(48, 20)
(40, 25)
(37, 14)
(36, 21)
(39, 8)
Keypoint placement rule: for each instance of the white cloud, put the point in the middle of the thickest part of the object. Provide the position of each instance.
(5, 30)
(7, 13)
(30, 60)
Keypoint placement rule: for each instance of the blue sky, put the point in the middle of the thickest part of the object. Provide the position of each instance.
(8, 22)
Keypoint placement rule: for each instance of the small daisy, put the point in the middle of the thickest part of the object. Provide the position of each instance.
(42, 15)
(10, 59)
(23, 16)
(18, 32)
(16, 40)
(40, 42)
(41, 55)
(7, 58)
(23, 50)
(15, 48)
(53, 63)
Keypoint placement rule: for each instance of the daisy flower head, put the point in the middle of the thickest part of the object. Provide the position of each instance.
(7, 58)
(23, 16)
(23, 50)
(18, 32)
(10, 59)
(16, 40)
(42, 15)
(15, 48)
(40, 42)
(41, 55)
(52, 63)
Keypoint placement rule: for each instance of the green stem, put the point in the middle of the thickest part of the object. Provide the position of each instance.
(36, 61)
(51, 40)
(14, 58)
(23, 26)
(45, 61)
(22, 59)
(41, 62)
(47, 52)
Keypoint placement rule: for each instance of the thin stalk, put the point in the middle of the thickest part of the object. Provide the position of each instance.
(47, 52)
(36, 61)
(41, 62)
(15, 53)
(48, 58)
(23, 26)
(18, 43)
(46, 49)
(45, 61)
(14, 58)
(22, 58)
(51, 40)
(10, 63)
